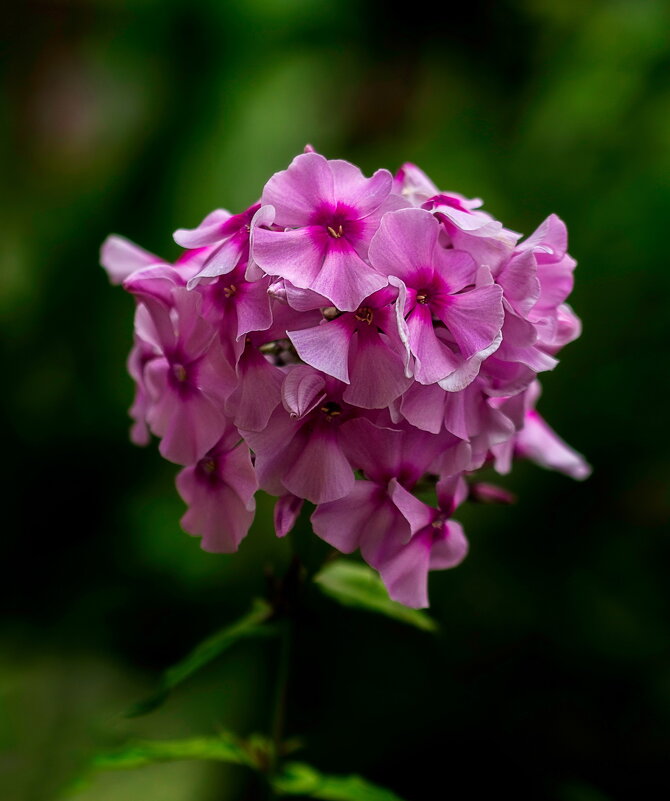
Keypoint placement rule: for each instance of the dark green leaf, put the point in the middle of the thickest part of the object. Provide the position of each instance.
(253, 624)
(300, 779)
(354, 584)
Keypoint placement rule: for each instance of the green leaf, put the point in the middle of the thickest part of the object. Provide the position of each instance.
(300, 779)
(354, 584)
(225, 747)
(254, 624)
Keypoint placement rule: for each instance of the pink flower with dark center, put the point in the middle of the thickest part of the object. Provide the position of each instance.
(436, 284)
(219, 490)
(330, 212)
(189, 377)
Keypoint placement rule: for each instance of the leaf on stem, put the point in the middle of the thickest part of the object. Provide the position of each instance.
(354, 584)
(299, 779)
(225, 747)
(253, 624)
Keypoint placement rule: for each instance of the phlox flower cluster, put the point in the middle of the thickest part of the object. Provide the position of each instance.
(360, 343)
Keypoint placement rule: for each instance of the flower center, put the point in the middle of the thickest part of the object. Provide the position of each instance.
(336, 233)
(179, 372)
(365, 315)
(208, 465)
(229, 291)
(422, 296)
(331, 409)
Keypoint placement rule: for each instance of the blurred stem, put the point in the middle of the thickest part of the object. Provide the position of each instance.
(285, 606)
(280, 701)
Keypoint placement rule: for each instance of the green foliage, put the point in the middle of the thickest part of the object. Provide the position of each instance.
(300, 779)
(295, 778)
(225, 747)
(357, 585)
(253, 624)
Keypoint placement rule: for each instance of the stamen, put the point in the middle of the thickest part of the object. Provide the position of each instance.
(331, 409)
(208, 465)
(229, 291)
(422, 296)
(336, 234)
(179, 372)
(330, 312)
(365, 315)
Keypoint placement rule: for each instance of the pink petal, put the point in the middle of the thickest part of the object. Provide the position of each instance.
(417, 514)
(258, 391)
(345, 279)
(320, 473)
(540, 443)
(286, 512)
(404, 243)
(474, 318)
(120, 257)
(295, 255)
(326, 346)
(299, 190)
(450, 549)
(345, 522)
(434, 360)
(207, 233)
(377, 373)
(302, 390)
(352, 188)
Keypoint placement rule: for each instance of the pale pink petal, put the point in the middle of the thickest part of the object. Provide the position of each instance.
(474, 318)
(120, 257)
(326, 346)
(258, 391)
(344, 278)
(540, 443)
(450, 549)
(423, 407)
(303, 389)
(377, 372)
(417, 514)
(345, 523)
(321, 472)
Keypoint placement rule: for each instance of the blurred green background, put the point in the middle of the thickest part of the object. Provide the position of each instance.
(551, 677)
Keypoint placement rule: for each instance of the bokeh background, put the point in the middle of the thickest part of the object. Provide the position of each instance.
(551, 676)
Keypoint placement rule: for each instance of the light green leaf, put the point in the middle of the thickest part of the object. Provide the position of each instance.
(354, 584)
(300, 779)
(254, 624)
(225, 747)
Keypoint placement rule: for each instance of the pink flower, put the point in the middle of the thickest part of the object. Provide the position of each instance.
(219, 490)
(330, 212)
(435, 284)
(356, 343)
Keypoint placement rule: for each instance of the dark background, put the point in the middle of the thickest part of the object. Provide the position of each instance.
(551, 676)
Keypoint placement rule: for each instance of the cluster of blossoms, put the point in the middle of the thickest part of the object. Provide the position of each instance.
(354, 342)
